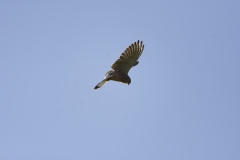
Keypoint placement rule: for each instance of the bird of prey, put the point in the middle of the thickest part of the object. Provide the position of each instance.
(123, 64)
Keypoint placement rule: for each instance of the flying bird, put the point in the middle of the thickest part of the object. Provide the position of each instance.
(123, 64)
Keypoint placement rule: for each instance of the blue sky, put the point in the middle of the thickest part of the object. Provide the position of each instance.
(183, 102)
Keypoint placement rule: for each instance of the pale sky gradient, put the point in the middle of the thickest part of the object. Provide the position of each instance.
(183, 102)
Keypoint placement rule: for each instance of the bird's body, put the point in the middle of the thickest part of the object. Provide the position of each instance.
(114, 76)
(118, 76)
(121, 67)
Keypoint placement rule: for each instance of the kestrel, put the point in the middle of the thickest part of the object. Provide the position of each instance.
(123, 64)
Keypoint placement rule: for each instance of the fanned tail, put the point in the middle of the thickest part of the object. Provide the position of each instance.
(100, 84)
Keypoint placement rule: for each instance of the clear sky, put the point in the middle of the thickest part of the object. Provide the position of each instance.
(183, 102)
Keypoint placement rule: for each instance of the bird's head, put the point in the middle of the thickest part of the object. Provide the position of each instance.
(129, 81)
(126, 80)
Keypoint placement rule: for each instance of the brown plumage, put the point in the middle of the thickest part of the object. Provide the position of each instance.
(123, 64)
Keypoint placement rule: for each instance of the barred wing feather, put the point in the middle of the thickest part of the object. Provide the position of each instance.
(129, 57)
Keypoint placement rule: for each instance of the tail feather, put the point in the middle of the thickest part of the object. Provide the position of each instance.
(100, 84)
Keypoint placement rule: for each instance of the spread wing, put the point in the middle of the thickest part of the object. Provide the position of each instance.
(129, 57)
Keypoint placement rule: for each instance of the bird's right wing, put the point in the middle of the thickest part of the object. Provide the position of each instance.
(129, 57)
